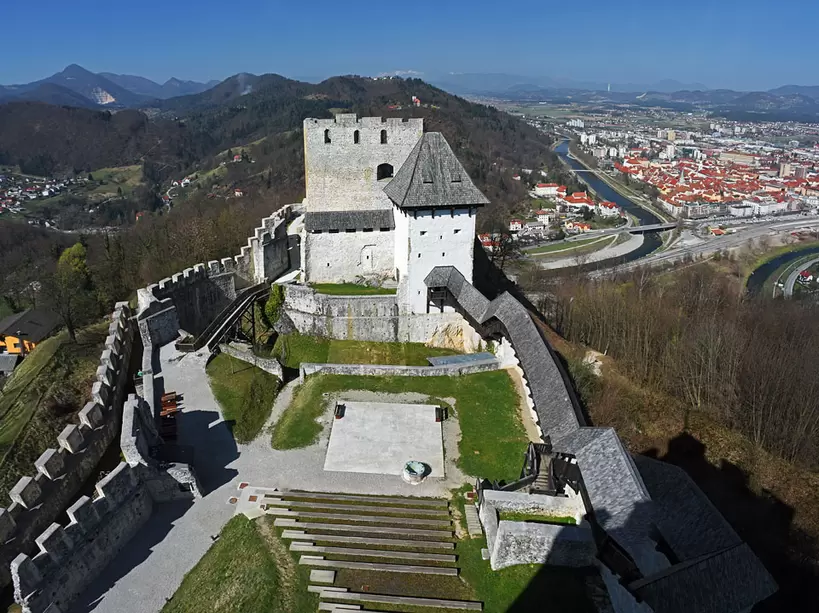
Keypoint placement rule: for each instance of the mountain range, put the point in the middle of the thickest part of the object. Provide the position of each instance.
(76, 86)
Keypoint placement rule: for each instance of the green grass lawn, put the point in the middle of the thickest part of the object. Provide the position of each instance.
(43, 395)
(537, 518)
(124, 177)
(248, 570)
(562, 246)
(493, 440)
(350, 289)
(245, 393)
(293, 349)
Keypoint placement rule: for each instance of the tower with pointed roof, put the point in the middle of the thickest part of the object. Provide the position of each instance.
(435, 208)
(385, 202)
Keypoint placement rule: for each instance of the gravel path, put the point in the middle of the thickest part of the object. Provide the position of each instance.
(151, 567)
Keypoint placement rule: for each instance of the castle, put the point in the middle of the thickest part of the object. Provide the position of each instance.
(385, 203)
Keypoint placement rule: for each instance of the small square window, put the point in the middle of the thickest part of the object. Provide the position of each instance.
(419, 292)
(423, 232)
(456, 230)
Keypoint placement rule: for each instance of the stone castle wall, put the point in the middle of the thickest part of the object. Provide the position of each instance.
(387, 370)
(341, 175)
(374, 318)
(344, 256)
(191, 299)
(71, 557)
(62, 471)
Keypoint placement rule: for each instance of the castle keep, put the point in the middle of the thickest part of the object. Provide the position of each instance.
(386, 203)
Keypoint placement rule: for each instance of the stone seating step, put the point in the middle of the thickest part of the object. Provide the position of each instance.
(287, 522)
(298, 535)
(377, 566)
(335, 606)
(407, 501)
(320, 589)
(379, 519)
(414, 601)
(372, 553)
(296, 504)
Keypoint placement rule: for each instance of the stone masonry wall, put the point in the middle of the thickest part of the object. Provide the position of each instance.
(71, 557)
(374, 318)
(61, 471)
(191, 299)
(385, 370)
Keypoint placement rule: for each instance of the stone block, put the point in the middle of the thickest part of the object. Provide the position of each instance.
(117, 485)
(323, 576)
(199, 269)
(55, 542)
(91, 415)
(7, 526)
(26, 576)
(105, 374)
(71, 439)
(26, 492)
(83, 514)
(113, 343)
(101, 393)
(50, 464)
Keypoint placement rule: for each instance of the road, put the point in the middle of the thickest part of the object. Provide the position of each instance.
(713, 245)
(791, 280)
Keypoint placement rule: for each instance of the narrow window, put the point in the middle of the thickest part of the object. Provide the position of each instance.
(441, 237)
(355, 137)
(335, 231)
(327, 137)
(423, 232)
(368, 229)
(383, 137)
(419, 255)
(443, 254)
(456, 230)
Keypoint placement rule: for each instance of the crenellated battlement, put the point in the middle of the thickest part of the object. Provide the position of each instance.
(60, 471)
(97, 529)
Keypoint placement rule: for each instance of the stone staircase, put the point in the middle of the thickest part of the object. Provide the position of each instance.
(372, 552)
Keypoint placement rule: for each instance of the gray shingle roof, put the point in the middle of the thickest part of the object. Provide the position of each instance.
(433, 177)
(717, 572)
(726, 581)
(324, 221)
(33, 324)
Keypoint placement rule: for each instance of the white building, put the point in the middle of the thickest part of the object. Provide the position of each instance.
(546, 190)
(385, 201)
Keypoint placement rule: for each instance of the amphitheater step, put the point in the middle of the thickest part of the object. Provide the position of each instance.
(408, 501)
(334, 606)
(379, 519)
(373, 566)
(372, 553)
(413, 601)
(295, 504)
(298, 535)
(287, 522)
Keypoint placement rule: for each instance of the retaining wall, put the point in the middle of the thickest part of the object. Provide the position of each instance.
(375, 319)
(60, 472)
(270, 365)
(384, 370)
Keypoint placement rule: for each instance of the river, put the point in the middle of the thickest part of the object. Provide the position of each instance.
(758, 277)
(651, 241)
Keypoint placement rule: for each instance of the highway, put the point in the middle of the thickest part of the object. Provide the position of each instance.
(791, 280)
(713, 245)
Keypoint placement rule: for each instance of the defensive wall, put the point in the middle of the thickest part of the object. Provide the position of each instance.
(71, 557)
(376, 319)
(191, 299)
(60, 472)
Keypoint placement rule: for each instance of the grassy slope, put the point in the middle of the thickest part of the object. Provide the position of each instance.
(563, 246)
(249, 570)
(350, 289)
(29, 423)
(536, 517)
(245, 393)
(485, 403)
(293, 349)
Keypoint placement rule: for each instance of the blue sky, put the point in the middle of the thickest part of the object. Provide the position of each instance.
(722, 43)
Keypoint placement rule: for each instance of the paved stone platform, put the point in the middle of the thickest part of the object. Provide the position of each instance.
(379, 438)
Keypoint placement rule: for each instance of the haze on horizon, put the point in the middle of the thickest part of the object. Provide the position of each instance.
(749, 45)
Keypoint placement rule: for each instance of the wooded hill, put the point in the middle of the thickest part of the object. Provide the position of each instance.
(178, 135)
